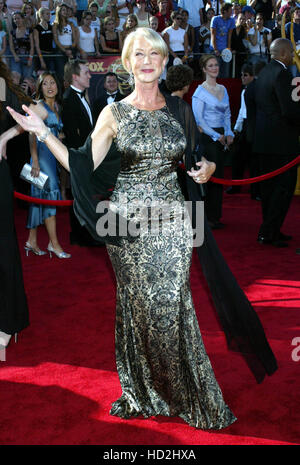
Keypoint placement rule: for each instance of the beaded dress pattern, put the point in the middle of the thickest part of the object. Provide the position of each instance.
(161, 360)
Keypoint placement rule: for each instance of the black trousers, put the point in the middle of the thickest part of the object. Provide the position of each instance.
(276, 193)
(244, 158)
(214, 151)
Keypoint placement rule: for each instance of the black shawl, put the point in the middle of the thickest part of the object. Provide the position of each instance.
(242, 327)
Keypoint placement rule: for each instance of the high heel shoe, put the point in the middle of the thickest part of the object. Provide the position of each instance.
(28, 248)
(4, 341)
(58, 254)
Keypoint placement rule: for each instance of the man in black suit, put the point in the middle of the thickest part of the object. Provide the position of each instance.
(276, 140)
(78, 122)
(110, 94)
(249, 97)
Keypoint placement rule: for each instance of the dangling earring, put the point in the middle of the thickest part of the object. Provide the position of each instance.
(130, 80)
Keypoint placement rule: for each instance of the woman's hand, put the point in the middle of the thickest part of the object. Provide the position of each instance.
(32, 122)
(222, 139)
(35, 169)
(229, 140)
(206, 170)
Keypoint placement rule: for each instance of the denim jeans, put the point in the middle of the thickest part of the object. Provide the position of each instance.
(21, 67)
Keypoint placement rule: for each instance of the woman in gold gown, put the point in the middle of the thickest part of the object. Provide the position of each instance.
(161, 360)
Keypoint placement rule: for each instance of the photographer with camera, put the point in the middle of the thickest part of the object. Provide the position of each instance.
(260, 39)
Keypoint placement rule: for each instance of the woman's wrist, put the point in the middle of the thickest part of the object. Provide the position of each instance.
(43, 133)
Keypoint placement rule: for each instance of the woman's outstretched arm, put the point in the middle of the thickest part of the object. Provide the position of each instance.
(16, 130)
(33, 123)
(102, 135)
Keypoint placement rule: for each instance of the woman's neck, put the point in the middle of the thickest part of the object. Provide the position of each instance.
(147, 96)
(211, 81)
(44, 23)
(50, 101)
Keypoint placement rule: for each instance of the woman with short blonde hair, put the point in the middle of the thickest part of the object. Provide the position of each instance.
(160, 356)
(150, 36)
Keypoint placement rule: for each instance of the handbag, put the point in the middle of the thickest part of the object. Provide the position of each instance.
(41, 181)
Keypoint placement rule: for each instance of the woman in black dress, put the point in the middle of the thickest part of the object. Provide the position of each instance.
(13, 304)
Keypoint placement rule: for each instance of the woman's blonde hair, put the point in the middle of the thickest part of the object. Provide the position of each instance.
(40, 12)
(150, 36)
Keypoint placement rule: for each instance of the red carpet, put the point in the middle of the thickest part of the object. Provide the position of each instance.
(60, 379)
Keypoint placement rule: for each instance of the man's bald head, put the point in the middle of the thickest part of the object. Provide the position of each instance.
(282, 50)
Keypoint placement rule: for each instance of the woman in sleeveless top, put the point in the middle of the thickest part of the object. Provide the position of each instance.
(188, 29)
(176, 39)
(49, 95)
(130, 25)
(142, 15)
(65, 38)
(160, 357)
(88, 44)
(204, 32)
(110, 38)
(22, 48)
(161, 360)
(43, 38)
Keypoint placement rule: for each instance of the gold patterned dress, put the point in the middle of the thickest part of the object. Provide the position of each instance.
(161, 360)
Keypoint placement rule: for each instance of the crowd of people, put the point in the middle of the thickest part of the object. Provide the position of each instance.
(54, 34)
(38, 35)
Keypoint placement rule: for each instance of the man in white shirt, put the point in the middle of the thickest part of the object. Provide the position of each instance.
(242, 150)
(77, 122)
(259, 41)
(194, 7)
